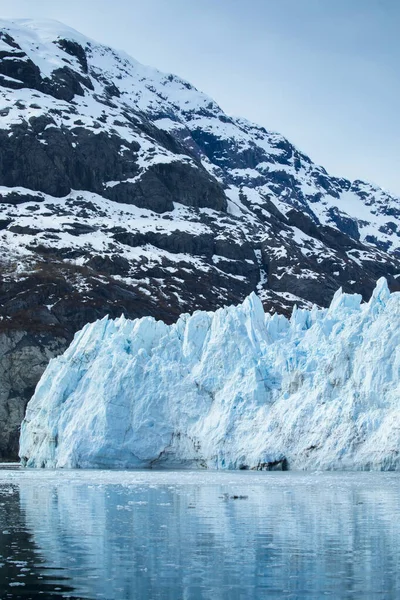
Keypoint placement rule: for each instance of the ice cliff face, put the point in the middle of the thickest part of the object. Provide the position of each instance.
(237, 388)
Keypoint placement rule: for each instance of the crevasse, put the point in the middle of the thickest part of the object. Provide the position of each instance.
(237, 388)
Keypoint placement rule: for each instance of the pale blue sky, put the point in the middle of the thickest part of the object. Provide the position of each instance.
(325, 73)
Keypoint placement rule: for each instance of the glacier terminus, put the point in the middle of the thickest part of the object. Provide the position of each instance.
(237, 388)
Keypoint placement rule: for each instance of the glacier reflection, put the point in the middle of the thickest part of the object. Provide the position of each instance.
(184, 535)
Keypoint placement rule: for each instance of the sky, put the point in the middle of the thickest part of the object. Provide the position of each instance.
(326, 74)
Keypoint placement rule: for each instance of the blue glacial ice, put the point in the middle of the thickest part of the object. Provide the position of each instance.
(237, 388)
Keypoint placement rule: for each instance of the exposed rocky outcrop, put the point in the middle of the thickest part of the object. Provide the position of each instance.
(23, 358)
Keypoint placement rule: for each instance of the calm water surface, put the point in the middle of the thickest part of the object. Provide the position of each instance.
(184, 535)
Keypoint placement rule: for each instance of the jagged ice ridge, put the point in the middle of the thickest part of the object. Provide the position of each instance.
(237, 388)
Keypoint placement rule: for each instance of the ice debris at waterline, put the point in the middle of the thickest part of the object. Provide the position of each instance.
(237, 388)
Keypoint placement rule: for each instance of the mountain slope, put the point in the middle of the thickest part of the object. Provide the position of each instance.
(123, 189)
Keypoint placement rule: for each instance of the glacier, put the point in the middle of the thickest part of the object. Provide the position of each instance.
(234, 389)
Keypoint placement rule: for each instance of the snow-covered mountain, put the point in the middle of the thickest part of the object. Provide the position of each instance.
(237, 388)
(123, 189)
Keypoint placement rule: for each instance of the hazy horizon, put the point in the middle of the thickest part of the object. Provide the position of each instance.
(323, 75)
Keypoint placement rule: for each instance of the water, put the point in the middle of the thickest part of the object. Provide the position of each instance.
(184, 535)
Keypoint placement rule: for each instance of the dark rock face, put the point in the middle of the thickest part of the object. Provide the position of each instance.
(41, 157)
(74, 49)
(23, 358)
(16, 66)
(191, 186)
(163, 184)
(123, 190)
(344, 223)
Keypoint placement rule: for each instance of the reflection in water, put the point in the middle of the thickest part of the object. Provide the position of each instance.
(23, 571)
(165, 535)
